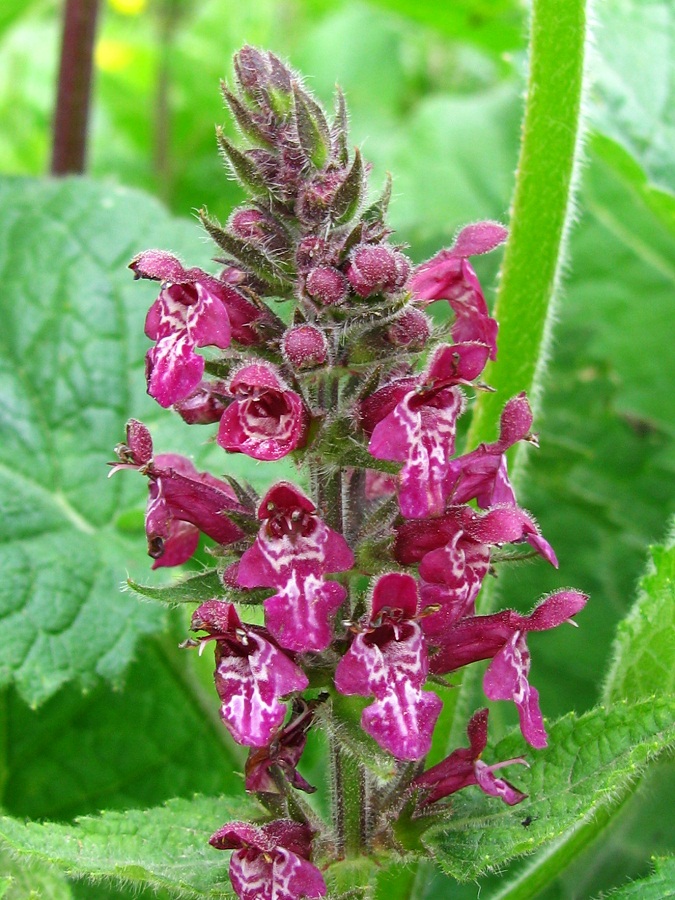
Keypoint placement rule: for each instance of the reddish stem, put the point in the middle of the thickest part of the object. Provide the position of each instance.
(75, 76)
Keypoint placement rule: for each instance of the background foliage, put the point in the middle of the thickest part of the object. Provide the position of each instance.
(99, 710)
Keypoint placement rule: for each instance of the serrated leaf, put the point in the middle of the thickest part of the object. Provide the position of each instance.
(659, 886)
(644, 650)
(71, 359)
(591, 762)
(162, 847)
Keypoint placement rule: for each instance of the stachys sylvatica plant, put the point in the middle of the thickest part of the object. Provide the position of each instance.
(368, 569)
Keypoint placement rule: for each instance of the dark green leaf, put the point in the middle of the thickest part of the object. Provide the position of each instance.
(160, 737)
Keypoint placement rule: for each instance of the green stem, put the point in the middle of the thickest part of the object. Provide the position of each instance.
(348, 787)
(541, 212)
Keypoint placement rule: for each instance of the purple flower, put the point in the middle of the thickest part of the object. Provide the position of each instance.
(414, 421)
(181, 502)
(502, 638)
(464, 767)
(266, 420)
(482, 475)
(270, 862)
(388, 660)
(252, 674)
(193, 310)
(294, 549)
(453, 551)
(448, 276)
(283, 752)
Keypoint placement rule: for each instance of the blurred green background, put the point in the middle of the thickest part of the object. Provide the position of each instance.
(435, 92)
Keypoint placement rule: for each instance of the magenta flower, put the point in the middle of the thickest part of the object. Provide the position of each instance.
(464, 767)
(252, 674)
(181, 503)
(414, 421)
(502, 638)
(284, 753)
(266, 420)
(388, 660)
(482, 474)
(294, 549)
(192, 310)
(453, 551)
(448, 276)
(270, 862)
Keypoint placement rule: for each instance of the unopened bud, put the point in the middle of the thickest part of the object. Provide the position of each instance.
(305, 346)
(249, 224)
(372, 269)
(327, 285)
(411, 329)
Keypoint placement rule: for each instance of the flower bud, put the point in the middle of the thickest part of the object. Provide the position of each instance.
(411, 329)
(305, 346)
(327, 285)
(372, 269)
(249, 224)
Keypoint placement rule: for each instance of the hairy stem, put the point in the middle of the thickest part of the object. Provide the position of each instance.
(71, 116)
(541, 212)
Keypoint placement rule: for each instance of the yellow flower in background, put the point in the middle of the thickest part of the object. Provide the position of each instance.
(113, 56)
(128, 7)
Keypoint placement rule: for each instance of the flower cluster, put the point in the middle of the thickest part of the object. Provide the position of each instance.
(368, 574)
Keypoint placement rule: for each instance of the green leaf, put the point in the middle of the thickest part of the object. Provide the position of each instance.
(633, 97)
(19, 881)
(312, 128)
(193, 589)
(592, 762)
(161, 737)
(162, 847)
(644, 650)
(71, 361)
(658, 886)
